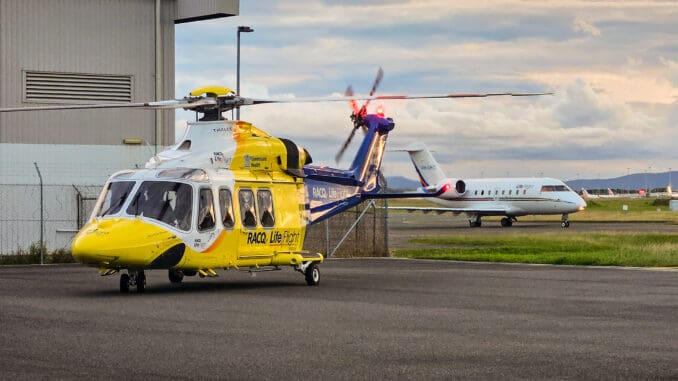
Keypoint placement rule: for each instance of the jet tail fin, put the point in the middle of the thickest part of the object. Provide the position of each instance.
(425, 164)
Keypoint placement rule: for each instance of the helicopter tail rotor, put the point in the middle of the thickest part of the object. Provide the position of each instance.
(358, 113)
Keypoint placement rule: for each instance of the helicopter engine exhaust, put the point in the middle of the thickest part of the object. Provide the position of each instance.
(296, 158)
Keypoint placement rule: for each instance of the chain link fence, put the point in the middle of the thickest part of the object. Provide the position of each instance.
(64, 210)
(358, 232)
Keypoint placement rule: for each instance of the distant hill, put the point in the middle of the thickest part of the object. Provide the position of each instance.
(630, 182)
(399, 183)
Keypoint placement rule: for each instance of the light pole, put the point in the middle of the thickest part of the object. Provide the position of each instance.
(241, 29)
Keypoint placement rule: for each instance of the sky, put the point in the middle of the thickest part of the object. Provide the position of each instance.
(613, 68)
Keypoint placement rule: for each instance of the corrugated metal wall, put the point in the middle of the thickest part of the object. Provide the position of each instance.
(84, 36)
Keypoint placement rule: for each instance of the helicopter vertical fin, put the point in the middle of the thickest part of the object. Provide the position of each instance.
(331, 191)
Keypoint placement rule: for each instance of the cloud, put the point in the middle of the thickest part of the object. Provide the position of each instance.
(610, 64)
(581, 26)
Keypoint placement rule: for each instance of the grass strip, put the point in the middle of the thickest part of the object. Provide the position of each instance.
(600, 249)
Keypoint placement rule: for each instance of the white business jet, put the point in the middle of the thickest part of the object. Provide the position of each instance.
(508, 197)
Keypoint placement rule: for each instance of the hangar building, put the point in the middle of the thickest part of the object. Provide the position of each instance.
(72, 52)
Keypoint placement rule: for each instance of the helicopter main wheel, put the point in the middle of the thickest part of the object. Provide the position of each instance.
(175, 276)
(312, 275)
(124, 283)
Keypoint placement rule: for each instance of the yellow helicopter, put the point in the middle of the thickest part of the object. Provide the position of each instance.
(229, 195)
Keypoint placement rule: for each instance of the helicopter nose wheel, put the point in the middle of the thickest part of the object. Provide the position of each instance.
(134, 278)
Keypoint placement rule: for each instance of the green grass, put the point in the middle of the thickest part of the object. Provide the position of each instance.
(598, 210)
(602, 249)
(32, 256)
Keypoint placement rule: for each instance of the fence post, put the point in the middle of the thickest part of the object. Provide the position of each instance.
(42, 220)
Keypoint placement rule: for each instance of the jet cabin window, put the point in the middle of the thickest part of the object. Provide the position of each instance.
(248, 210)
(116, 194)
(164, 201)
(226, 205)
(265, 203)
(206, 218)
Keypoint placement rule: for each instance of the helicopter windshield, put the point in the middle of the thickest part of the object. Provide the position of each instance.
(164, 201)
(116, 194)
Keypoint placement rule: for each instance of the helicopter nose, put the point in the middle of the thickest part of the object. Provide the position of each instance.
(117, 243)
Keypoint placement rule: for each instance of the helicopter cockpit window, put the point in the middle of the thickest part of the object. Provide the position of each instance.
(206, 218)
(116, 194)
(226, 208)
(265, 203)
(248, 210)
(164, 201)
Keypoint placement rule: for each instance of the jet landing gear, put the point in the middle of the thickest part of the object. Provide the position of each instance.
(565, 223)
(134, 278)
(507, 222)
(474, 221)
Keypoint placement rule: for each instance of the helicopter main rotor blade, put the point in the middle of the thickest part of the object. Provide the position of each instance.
(169, 104)
(339, 154)
(254, 101)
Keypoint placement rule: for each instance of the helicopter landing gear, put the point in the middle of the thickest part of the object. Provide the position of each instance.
(474, 221)
(565, 223)
(175, 276)
(134, 278)
(311, 273)
(506, 222)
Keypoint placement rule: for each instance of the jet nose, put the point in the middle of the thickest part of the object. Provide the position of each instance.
(121, 242)
(581, 204)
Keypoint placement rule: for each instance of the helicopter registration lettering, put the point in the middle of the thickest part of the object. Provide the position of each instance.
(276, 238)
(324, 193)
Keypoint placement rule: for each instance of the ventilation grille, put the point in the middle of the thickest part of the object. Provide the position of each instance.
(40, 86)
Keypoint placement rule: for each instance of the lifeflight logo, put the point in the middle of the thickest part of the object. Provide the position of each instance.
(274, 237)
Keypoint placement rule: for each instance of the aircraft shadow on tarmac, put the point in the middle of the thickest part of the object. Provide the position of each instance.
(201, 286)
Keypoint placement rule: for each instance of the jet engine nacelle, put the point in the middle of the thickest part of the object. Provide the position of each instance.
(455, 188)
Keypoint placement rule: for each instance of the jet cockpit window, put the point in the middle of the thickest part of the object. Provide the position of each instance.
(115, 195)
(554, 188)
(248, 211)
(164, 201)
(226, 208)
(206, 218)
(265, 203)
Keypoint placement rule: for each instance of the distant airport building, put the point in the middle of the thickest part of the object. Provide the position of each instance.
(52, 163)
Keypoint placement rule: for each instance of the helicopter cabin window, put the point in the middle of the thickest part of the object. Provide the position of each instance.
(206, 218)
(226, 205)
(164, 201)
(248, 210)
(265, 203)
(115, 195)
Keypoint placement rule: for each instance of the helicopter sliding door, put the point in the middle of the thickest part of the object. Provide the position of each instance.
(271, 216)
